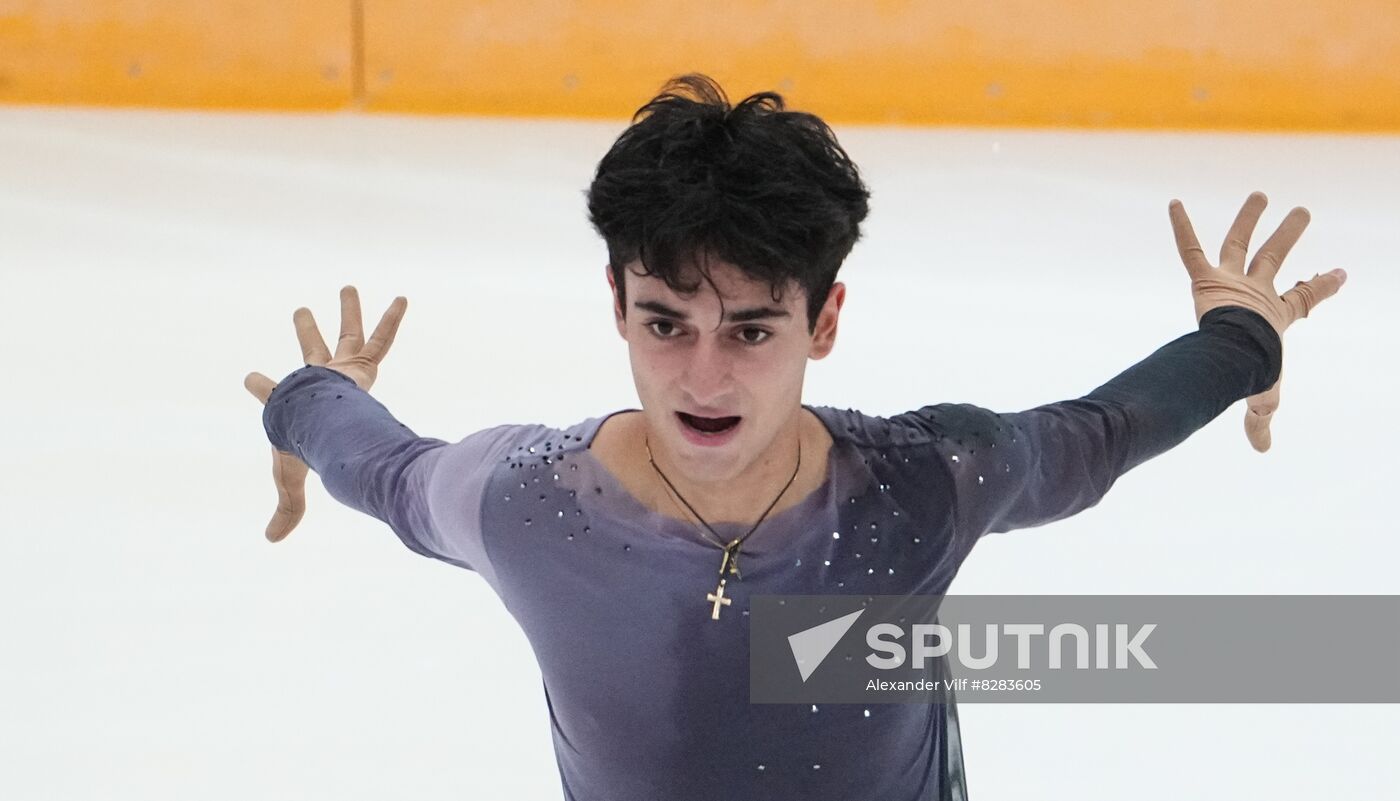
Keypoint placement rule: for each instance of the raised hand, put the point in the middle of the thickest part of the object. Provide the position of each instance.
(1231, 284)
(354, 358)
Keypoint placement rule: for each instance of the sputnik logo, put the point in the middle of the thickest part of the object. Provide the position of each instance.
(811, 646)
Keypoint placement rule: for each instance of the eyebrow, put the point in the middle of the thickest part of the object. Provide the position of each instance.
(738, 316)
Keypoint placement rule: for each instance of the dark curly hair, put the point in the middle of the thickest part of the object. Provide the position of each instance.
(765, 189)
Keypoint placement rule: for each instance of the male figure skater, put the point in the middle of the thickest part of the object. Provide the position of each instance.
(646, 531)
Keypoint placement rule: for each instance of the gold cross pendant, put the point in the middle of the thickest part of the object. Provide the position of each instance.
(717, 598)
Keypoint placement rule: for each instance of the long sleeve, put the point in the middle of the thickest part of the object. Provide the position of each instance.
(427, 490)
(1028, 468)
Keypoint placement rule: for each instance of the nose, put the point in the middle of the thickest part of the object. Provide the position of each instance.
(708, 374)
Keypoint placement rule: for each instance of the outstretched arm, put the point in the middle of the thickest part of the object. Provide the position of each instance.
(426, 489)
(1024, 469)
(323, 417)
(366, 459)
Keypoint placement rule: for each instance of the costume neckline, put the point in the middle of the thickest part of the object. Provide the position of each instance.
(773, 534)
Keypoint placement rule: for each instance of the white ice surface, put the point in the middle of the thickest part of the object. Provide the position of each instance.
(154, 646)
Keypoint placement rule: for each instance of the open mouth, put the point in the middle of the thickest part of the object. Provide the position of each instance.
(708, 425)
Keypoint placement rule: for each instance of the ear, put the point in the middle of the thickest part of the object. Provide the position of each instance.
(617, 303)
(824, 336)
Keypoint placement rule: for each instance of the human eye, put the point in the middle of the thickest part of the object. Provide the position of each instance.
(745, 332)
(659, 334)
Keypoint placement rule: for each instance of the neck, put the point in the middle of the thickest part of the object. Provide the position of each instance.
(742, 498)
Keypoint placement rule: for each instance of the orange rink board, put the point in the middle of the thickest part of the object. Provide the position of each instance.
(198, 53)
(1214, 64)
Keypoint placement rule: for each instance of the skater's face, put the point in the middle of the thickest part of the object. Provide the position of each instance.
(749, 365)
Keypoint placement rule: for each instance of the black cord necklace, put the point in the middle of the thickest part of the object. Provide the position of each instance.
(730, 561)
